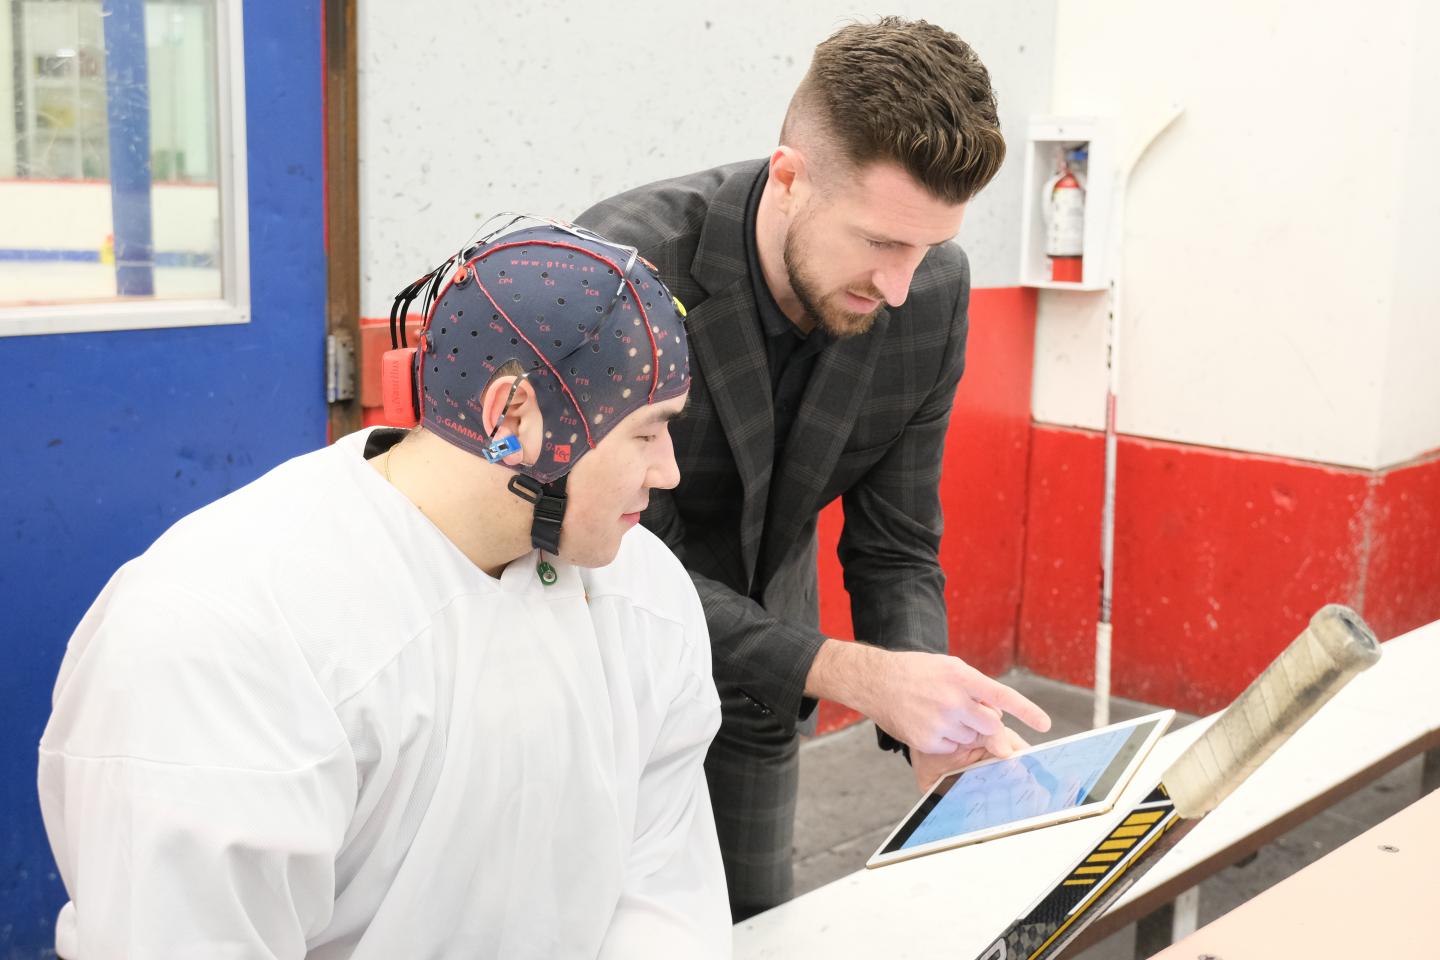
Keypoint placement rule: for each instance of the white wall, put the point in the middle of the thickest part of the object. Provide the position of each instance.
(1263, 307)
(1410, 407)
(469, 109)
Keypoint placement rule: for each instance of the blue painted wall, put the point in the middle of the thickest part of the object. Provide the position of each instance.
(111, 437)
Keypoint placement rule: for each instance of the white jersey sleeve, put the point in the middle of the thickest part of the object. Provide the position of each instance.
(194, 784)
(674, 902)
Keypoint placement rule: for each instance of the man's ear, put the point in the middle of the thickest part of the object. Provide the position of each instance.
(787, 174)
(509, 408)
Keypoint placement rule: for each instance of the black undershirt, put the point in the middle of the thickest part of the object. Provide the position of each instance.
(791, 353)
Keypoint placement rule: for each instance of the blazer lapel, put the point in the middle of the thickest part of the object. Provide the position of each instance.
(725, 340)
(838, 385)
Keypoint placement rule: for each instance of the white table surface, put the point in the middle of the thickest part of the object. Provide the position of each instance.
(956, 902)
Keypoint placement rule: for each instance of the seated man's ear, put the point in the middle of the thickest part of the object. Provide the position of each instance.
(510, 408)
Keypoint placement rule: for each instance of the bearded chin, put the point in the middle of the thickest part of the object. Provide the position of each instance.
(824, 311)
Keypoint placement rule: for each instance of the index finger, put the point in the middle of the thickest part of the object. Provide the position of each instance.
(1005, 743)
(1009, 700)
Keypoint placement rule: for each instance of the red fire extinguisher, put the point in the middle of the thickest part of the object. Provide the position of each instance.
(1064, 207)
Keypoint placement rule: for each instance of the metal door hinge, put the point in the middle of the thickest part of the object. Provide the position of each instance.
(339, 368)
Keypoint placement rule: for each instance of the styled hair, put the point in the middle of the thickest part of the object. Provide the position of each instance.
(904, 91)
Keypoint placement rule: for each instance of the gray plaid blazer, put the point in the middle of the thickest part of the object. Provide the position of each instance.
(870, 429)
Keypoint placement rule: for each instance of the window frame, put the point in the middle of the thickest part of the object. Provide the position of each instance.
(233, 304)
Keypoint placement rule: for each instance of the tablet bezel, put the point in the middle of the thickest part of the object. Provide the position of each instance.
(1094, 808)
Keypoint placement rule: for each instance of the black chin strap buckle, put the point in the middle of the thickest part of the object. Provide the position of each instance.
(549, 501)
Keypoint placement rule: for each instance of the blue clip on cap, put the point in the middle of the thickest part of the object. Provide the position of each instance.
(500, 448)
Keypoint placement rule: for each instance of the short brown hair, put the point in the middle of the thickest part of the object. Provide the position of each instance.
(909, 92)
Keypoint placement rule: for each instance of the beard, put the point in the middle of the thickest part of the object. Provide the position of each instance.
(826, 311)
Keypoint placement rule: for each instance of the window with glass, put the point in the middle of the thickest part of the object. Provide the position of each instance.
(121, 204)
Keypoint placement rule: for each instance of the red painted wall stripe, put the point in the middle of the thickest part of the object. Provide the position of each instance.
(1402, 577)
(1220, 559)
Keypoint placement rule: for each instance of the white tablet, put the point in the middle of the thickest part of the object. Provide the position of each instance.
(1078, 776)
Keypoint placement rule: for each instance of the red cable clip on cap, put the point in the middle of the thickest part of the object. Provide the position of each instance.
(397, 386)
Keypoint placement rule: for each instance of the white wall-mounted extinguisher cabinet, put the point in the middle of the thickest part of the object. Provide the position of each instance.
(1066, 208)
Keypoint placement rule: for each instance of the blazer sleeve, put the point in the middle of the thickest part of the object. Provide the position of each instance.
(889, 546)
(767, 658)
(889, 549)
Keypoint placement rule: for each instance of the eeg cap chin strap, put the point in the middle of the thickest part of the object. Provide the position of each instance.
(549, 501)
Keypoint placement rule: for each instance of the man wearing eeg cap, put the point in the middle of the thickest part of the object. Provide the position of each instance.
(376, 704)
(584, 327)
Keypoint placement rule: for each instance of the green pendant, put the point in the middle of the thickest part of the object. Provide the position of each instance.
(546, 572)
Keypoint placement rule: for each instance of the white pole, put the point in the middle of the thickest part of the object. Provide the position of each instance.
(1103, 628)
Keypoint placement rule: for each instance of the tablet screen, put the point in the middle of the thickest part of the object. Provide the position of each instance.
(1048, 780)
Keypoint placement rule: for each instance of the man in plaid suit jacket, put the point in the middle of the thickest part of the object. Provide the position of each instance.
(827, 323)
